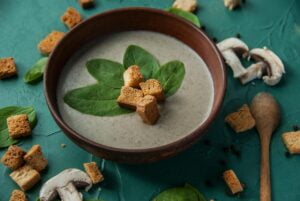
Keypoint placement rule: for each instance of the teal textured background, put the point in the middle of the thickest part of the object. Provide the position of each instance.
(271, 23)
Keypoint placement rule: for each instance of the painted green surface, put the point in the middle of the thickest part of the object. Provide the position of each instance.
(272, 23)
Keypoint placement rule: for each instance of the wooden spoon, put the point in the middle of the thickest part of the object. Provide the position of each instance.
(266, 113)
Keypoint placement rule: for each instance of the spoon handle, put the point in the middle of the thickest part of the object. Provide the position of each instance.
(265, 184)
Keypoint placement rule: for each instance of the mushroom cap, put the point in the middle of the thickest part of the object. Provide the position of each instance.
(77, 177)
(234, 44)
(275, 67)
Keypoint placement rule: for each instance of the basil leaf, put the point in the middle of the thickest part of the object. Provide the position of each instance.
(136, 55)
(186, 15)
(35, 73)
(106, 72)
(186, 193)
(5, 139)
(171, 75)
(97, 99)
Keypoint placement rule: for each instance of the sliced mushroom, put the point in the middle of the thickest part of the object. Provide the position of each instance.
(229, 49)
(275, 67)
(255, 71)
(64, 184)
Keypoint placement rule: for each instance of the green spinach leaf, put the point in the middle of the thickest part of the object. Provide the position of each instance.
(106, 72)
(5, 139)
(171, 75)
(146, 61)
(35, 73)
(97, 99)
(186, 15)
(186, 193)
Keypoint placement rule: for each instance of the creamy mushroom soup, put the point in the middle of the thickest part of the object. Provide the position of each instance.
(180, 114)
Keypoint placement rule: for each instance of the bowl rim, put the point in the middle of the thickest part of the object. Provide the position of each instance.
(189, 138)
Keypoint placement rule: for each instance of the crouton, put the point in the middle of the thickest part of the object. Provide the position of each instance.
(35, 158)
(186, 5)
(232, 181)
(242, 120)
(18, 195)
(18, 126)
(129, 97)
(26, 177)
(132, 76)
(71, 17)
(13, 157)
(47, 45)
(152, 87)
(147, 109)
(86, 3)
(93, 171)
(7, 67)
(292, 141)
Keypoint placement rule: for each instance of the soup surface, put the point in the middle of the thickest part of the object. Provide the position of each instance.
(180, 113)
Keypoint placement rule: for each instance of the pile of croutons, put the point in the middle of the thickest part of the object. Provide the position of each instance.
(140, 95)
(26, 167)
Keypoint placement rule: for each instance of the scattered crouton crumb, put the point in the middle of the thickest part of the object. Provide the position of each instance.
(86, 3)
(148, 110)
(47, 45)
(242, 120)
(26, 177)
(18, 126)
(18, 195)
(132, 76)
(7, 67)
(35, 158)
(186, 5)
(63, 145)
(129, 97)
(71, 17)
(232, 181)
(13, 157)
(152, 87)
(93, 171)
(292, 141)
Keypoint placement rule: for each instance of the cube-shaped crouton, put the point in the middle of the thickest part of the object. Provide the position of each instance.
(7, 67)
(18, 126)
(13, 157)
(232, 181)
(242, 120)
(147, 109)
(132, 76)
(152, 87)
(18, 195)
(129, 97)
(186, 5)
(71, 17)
(26, 177)
(93, 171)
(35, 158)
(292, 141)
(47, 45)
(86, 3)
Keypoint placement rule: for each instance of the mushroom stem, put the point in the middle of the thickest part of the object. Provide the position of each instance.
(69, 193)
(234, 62)
(254, 71)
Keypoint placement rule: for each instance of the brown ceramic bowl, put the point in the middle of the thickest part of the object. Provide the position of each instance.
(134, 19)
